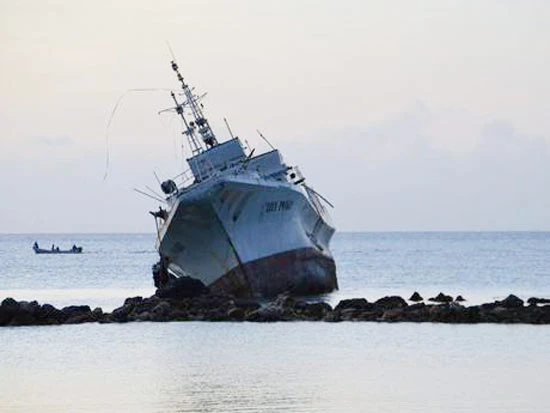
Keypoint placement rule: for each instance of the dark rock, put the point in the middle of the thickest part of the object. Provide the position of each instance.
(488, 306)
(537, 315)
(97, 313)
(143, 316)
(354, 303)
(387, 303)
(23, 318)
(8, 309)
(133, 301)
(15, 313)
(416, 312)
(31, 307)
(333, 317)
(284, 301)
(119, 315)
(48, 314)
(394, 314)
(219, 307)
(416, 297)
(316, 311)
(265, 314)
(452, 313)
(183, 287)
(459, 299)
(511, 302)
(441, 298)
(9, 302)
(75, 314)
(246, 304)
(236, 313)
(535, 301)
(161, 310)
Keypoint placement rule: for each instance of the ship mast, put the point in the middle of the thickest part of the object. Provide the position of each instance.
(199, 122)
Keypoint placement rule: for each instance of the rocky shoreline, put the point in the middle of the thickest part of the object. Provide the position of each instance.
(193, 302)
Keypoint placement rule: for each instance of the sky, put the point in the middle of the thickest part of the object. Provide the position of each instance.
(407, 116)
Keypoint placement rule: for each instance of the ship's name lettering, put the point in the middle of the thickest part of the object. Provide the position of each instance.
(275, 206)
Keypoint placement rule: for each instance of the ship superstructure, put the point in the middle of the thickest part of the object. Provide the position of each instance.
(242, 224)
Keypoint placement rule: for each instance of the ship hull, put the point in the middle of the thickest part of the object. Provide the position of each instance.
(301, 272)
(250, 239)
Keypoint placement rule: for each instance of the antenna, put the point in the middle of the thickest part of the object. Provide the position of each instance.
(192, 100)
(265, 139)
(157, 177)
(228, 128)
(248, 146)
(170, 48)
(149, 196)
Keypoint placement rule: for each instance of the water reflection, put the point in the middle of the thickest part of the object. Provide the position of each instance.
(304, 367)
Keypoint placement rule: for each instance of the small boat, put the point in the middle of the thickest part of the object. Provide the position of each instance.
(56, 250)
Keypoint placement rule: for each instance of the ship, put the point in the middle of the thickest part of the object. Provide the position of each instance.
(242, 223)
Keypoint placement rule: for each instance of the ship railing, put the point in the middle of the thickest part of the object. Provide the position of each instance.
(316, 202)
(184, 179)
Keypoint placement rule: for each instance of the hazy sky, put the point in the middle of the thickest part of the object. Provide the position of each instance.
(411, 115)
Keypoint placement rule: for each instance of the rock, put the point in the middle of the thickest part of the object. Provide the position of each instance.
(183, 287)
(387, 303)
(316, 311)
(236, 313)
(511, 302)
(143, 316)
(535, 301)
(246, 304)
(394, 314)
(441, 298)
(416, 297)
(266, 314)
(161, 310)
(48, 314)
(120, 315)
(355, 304)
(133, 301)
(416, 312)
(9, 302)
(76, 314)
(14, 313)
(219, 307)
(30, 307)
(75, 310)
(459, 299)
(7, 310)
(97, 313)
(284, 301)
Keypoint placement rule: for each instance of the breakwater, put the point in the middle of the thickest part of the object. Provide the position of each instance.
(194, 303)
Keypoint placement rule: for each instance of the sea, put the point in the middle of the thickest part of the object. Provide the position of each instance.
(287, 366)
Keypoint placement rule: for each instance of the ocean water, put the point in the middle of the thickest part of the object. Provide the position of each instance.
(481, 266)
(303, 367)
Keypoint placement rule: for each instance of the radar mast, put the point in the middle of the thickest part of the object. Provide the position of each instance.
(199, 122)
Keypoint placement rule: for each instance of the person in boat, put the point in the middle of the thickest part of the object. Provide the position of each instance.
(35, 245)
(74, 248)
(56, 249)
(53, 247)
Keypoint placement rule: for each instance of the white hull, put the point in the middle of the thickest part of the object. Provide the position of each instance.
(249, 236)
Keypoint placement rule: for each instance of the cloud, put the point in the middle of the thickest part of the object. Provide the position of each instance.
(415, 172)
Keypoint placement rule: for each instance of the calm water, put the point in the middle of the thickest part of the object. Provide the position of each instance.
(210, 367)
(480, 266)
